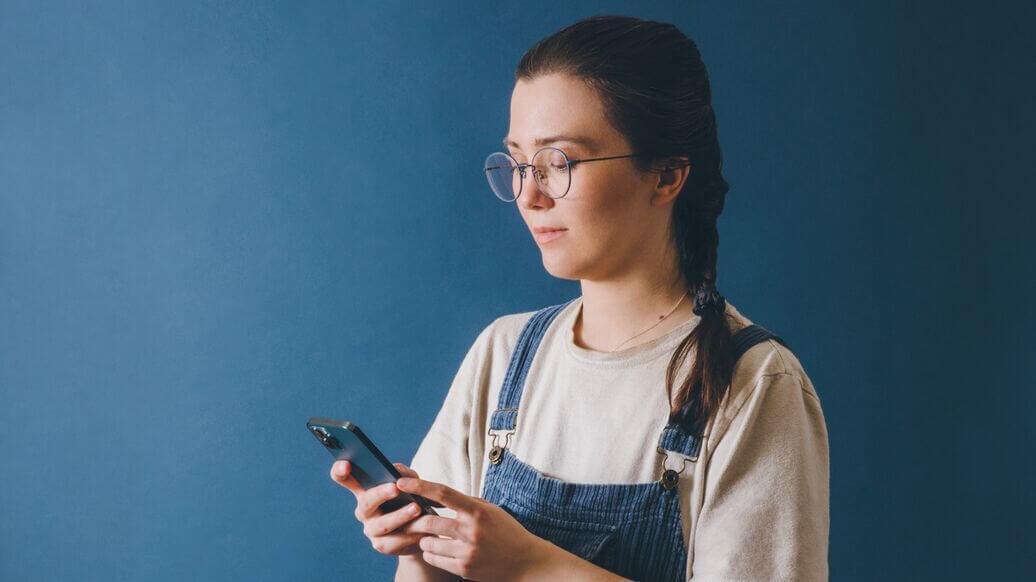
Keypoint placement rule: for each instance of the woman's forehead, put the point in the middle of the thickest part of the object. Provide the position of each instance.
(548, 108)
(569, 138)
(560, 100)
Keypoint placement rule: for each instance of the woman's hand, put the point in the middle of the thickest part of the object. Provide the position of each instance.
(486, 543)
(383, 529)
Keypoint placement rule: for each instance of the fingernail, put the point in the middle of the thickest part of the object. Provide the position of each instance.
(413, 508)
(404, 482)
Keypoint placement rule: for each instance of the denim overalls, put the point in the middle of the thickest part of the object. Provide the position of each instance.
(634, 530)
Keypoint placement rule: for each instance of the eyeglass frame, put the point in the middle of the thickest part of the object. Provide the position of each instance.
(568, 164)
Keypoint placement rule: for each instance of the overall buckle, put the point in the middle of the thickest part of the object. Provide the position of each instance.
(496, 452)
(671, 478)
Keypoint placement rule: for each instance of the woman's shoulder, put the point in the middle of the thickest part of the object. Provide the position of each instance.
(509, 325)
(768, 358)
(503, 331)
(769, 376)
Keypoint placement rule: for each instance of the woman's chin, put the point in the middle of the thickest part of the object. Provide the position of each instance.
(557, 266)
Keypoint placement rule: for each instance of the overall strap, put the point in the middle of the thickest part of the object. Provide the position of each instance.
(505, 416)
(674, 437)
(747, 337)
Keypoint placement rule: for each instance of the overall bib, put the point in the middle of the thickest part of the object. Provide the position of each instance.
(634, 530)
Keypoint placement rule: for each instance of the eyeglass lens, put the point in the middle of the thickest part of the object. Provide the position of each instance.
(549, 167)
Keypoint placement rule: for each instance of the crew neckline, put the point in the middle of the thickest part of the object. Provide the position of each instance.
(625, 358)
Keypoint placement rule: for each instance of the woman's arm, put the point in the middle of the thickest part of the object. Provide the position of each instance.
(765, 515)
(413, 569)
(485, 542)
(555, 563)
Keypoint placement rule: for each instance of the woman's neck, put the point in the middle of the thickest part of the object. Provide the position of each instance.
(612, 312)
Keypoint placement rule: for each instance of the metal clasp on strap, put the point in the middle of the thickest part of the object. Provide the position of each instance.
(671, 478)
(496, 452)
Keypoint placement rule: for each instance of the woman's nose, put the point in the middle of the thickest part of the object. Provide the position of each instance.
(532, 195)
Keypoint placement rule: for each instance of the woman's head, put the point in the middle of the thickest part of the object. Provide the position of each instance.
(642, 87)
(639, 87)
(613, 211)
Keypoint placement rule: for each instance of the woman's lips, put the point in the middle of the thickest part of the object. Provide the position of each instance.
(546, 237)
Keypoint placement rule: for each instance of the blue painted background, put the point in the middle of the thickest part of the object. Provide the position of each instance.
(218, 219)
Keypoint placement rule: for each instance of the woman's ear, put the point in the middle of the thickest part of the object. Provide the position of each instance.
(671, 178)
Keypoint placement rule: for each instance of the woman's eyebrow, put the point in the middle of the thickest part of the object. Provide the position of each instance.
(539, 142)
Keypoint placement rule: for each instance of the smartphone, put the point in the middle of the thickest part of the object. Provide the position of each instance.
(345, 440)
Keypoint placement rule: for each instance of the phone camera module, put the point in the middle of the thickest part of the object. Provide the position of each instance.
(327, 438)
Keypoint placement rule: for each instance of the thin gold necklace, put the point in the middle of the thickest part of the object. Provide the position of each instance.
(661, 318)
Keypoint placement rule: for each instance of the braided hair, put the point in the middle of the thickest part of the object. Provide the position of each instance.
(655, 90)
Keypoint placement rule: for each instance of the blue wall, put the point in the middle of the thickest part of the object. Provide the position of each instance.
(219, 219)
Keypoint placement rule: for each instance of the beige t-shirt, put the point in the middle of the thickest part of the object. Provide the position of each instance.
(754, 504)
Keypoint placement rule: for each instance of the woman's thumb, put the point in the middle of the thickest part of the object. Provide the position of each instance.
(406, 471)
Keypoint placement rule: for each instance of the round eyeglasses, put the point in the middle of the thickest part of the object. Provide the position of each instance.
(550, 167)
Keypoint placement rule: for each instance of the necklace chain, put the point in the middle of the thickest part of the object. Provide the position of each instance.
(656, 324)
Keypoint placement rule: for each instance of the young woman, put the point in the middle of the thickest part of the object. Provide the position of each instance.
(646, 429)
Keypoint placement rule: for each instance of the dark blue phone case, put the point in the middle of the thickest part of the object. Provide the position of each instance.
(345, 440)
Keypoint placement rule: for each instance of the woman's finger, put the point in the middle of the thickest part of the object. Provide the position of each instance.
(404, 470)
(368, 501)
(388, 523)
(434, 525)
(443, 547)
(408, 472)
(341, 473)
(432, 491)
(398, 544)
(451, 565)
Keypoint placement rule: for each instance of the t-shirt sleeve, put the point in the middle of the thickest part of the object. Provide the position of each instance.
(766, 510)
(443, 455)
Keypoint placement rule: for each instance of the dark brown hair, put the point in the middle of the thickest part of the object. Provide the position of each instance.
(655, 90)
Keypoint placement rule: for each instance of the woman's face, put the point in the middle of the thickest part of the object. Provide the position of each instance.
(608, 215)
